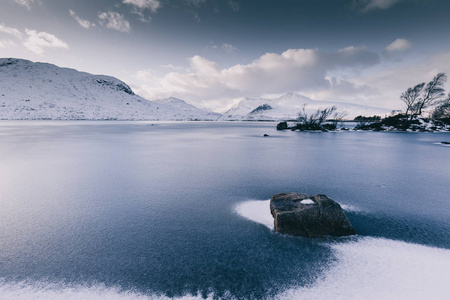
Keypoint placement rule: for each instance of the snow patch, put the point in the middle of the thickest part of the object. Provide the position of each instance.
(350, 208)
(257, 211)
(307, 201)
(376, 268)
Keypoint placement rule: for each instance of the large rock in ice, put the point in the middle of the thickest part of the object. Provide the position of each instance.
(305, 215)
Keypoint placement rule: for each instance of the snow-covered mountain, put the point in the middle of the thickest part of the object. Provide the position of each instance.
(190, 111)
(31, 90)
(288, 106)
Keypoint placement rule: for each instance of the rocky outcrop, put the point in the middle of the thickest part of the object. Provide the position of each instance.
(304, 215)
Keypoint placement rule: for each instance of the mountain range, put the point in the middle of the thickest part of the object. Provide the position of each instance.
(39, 91)
(288, 106)
(34, 91)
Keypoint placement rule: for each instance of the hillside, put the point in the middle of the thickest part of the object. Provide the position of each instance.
(33, 91)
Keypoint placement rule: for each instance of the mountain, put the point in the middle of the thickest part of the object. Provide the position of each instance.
(288, 106)
(190, 111)
(30, 91)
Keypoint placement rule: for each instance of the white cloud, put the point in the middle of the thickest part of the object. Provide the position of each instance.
(37, 41)
(228, 48)
(172, 67)
(153, 5)
(6, 43)
(25, 3)
(115, 21)
(294, 70)
(399, 45)
(369, 5)
(394, 79)
(83, 23)
(11, 31)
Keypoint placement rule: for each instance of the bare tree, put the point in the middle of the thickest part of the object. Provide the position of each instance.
(422, 96)
(315, 119)
(411, 98)
(433, 91)
(443, 110)
(338, 117)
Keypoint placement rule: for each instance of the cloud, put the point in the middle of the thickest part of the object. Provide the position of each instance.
(399, 45)
(172, 67)
(83, 23)
(115, 21)
(233, 5)
(25, 3)
(6, 43)
(370, 5)
(153, 5)
(11, 31)
(228, 48)
(293, 70)
(391, 81)
(195, 3)
(37, 41)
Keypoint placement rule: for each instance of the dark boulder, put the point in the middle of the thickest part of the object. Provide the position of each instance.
(305, 215)
(282, 126)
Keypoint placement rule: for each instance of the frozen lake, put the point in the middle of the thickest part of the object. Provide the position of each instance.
(142, 210)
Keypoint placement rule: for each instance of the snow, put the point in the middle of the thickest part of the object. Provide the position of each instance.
(288, 106)
(367, 267)
(307, 201)
(257, 211)
(43, 91)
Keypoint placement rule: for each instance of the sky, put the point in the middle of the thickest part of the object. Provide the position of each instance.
(211, 53)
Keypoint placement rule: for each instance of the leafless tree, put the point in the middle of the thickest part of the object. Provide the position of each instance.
(338, 117)
(422, 96)
(315, 119)
(443, 110)
(411, 98)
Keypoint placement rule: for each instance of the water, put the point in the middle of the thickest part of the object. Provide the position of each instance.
(140, 210)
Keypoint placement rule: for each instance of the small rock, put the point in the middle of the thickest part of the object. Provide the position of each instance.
(304, 215)
(265, 134)
(445, 143)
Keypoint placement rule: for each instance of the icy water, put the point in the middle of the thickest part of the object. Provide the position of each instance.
(135, 210)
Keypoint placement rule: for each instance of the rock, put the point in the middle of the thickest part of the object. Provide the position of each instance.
(445, 143)
(265, 134)
(304, 215)
(282, 126)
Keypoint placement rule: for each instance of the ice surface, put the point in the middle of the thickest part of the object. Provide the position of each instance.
(376, 268)
(370, 268)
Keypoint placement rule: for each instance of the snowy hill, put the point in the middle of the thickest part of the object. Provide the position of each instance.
(288, 106)
(190, 111)
(30, 91)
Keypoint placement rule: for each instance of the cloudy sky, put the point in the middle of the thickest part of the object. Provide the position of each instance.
(212, 52)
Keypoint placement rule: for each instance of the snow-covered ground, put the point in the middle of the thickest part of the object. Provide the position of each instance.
(43, 91)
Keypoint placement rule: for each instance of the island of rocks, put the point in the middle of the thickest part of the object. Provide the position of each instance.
(304, 215)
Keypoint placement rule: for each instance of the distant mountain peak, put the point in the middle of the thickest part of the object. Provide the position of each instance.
(287, 107)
